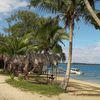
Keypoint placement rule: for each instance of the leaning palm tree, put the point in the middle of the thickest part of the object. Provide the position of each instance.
(95, 17)
(71, 10)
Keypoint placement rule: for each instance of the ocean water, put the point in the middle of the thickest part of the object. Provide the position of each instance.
(91, 72)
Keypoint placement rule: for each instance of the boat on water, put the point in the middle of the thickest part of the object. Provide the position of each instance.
(76, 71)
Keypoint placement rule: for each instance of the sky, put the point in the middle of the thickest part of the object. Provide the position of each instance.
(86, 41)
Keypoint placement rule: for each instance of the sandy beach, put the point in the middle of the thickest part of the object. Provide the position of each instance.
(78, 90)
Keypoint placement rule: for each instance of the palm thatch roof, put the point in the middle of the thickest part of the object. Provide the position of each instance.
(46, 59)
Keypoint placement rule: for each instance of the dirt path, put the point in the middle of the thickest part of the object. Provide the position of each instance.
(8, 92)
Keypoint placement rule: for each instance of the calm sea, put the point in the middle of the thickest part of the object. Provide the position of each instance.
(91, 72)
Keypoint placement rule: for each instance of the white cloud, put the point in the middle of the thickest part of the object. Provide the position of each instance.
(10, 5)
(86, 55)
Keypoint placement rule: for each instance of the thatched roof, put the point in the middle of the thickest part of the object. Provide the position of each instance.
(45, 58)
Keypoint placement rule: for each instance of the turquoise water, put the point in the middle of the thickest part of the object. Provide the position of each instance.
(91, 72)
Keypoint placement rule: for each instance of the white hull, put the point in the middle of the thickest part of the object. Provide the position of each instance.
(75, 71)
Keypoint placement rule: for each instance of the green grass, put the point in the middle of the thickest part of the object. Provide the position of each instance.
(1, 71)
(53, 89)
(4, 73)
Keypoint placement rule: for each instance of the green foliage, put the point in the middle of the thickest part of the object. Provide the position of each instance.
(21, 22)
(49, 36)
(39, 88)
(69, 10)
(31, 33)
(93, 22)
(13, 45)
(24, 22)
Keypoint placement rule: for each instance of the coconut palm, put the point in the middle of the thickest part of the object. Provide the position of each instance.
(71, 10)
(95, 17)
(28, 24)
(49, 37)
(12, 46)
(92, 21)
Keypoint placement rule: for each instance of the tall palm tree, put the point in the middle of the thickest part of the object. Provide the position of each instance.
(71, 10)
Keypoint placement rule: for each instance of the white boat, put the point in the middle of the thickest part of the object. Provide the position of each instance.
(76, 71)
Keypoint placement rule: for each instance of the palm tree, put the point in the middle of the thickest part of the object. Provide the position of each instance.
(71, 10)
(92, 21)
(48, 38)
(14, 46)
(27, 22)
(95, 17)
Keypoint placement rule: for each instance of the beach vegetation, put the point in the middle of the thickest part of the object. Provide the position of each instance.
(36, 88)
(70, 11)
(31, 43)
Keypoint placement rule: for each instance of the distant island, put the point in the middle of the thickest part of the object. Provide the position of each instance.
(82, 64)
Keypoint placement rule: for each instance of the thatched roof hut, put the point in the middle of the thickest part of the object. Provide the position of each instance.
(46, 59)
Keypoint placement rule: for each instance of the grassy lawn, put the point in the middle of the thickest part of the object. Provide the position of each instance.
(38, 88)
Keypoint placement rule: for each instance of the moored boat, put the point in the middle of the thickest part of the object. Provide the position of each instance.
(76, 71)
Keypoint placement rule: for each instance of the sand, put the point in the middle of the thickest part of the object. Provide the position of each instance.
(78, 90)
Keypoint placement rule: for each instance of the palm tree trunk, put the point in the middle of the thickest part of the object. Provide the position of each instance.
(26, 68)
(95, 17)
(69, 56)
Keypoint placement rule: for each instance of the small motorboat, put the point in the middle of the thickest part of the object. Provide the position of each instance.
(76, 71)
